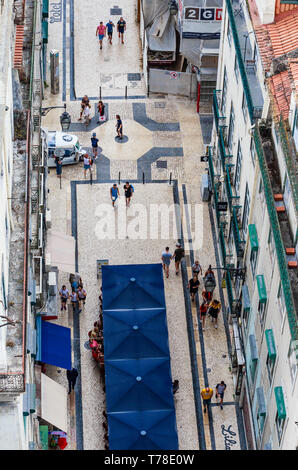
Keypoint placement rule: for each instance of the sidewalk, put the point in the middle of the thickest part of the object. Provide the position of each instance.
(164, 137)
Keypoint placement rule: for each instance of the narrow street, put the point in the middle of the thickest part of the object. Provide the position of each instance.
(164, 139)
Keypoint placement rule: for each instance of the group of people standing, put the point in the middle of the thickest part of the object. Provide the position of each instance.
(77, 295)
(102, 30)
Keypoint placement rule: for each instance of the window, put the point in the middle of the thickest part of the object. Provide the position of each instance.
(260, 421)
(253, 261)
(280, 424)
(292, 362)
(231, 129)
(245, 319)
(238, 168)
(281, 302)
(253, 151)
(224, 93)
(256, 55)
(4, 292)
(253, 368)
(246, 210)
(261, 193)
(244, 107)
(262, 310)
(236, 68)
(270, 363)
(229, 34)
(271, 246)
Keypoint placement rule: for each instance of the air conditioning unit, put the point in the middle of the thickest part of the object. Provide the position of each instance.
(52, 283)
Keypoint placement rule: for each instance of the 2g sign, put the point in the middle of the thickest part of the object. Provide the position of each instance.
(202, 14)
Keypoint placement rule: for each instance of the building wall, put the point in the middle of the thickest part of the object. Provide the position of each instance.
(275, 317)
(6, 159)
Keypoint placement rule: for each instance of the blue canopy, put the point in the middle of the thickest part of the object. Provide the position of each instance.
(132, 286)
(135, 333)
(138, 384)
(139, 394)
(143, 430)
(53, 344)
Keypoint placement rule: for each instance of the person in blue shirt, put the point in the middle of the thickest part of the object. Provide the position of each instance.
(110, 25)
(114, 192)
(121, 27)
(94, 143)
(166, 257)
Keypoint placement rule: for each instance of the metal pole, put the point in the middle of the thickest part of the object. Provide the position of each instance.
(170, 178)
(100, 92)
(143, 178)
(126, 92)
(119, 179)
(60, 182)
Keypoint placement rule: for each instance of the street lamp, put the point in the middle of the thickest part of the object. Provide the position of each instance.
(65, 119)
(173, 7)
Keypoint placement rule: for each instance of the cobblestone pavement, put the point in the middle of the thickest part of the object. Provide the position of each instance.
(164, 141)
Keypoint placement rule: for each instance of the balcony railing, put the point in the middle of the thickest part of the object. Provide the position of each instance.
(216, 112)
(290, 165)
(281, 256)
(230, 195)
(222, 148)
(211, 167)
(239, 242)
(254, 111)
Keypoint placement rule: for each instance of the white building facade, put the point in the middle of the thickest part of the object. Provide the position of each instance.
(250, 168)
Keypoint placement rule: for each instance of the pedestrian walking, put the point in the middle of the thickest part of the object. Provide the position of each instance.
(166, 257)
(75, 281)
(220, 391)
(94, 143)
(128, 190)
(110, 25)
(101, 112)
(87, 164)
(114, 193)
(101, 33)
(213, 311)
(64, 296)
(206, 394)
(178, 255)
(197, 268)
(193, 286)
(72, 378)
(75, 301)
(84, 103)
(207, 296)
(82, 295)
(58, 167)
(121, 27)
(119, 127)
(203, 312)
(209, 271)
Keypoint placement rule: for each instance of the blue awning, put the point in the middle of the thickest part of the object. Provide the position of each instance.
(53, 344)
(135, 333)
(147, 430)
(139, 392)
(132, 286)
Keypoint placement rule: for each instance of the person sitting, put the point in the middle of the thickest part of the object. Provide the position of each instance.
(84, 103)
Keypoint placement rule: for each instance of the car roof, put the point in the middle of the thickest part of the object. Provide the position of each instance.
(61, 139)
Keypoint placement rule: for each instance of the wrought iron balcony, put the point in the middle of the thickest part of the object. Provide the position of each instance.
(239, 242)
(280, 250)
(216, 112)
(252, 88)
(231, 197)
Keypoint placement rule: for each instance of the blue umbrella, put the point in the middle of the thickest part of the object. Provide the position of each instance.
(138, 384)
(132, 286)
(135, 334)
(146, 430)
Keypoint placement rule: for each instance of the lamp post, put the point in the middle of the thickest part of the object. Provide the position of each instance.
(65, 119)
(173, 7)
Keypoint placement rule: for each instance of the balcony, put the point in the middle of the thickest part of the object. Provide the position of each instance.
(279, 222)
(231, 197)
(244, 53)
(239, 242)
(222, 148)
(217, 115)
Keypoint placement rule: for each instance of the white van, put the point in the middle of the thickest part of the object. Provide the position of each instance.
(65, 146)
